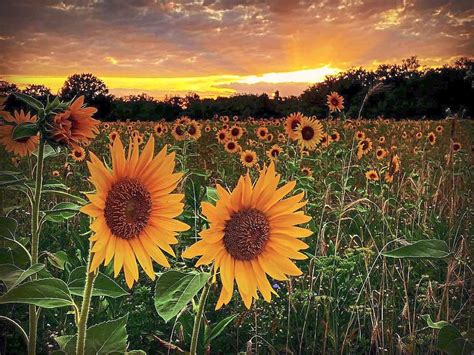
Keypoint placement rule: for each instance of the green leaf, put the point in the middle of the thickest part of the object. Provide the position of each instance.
(46, 293)
(58, 259)
(211, 195)
(11, 179)
(431, 248)
(30, 101)
(48, 152)
(14, 253)
(434, 325)
(63, 340)
(61, 212)
(103, 338)
(218, 329)
(11, 275)
(174, 289)
(103, 285)
(8, 227)
(24, 130)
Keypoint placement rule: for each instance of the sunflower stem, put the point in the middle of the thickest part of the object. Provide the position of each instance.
(86, 301)
(35, 229)
(198, 318)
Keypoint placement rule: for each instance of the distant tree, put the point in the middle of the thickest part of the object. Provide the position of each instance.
(94, 90)
(7, 88)
(39, 92)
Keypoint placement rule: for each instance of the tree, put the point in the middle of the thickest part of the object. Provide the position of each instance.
(39, 92)
(94, 90)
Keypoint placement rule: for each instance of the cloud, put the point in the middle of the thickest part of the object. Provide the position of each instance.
(201, 38)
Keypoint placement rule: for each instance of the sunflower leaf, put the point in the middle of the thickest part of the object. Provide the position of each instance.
(24, 130)
(430, 248)
(174, 289)
(30, 101)
(103, 285)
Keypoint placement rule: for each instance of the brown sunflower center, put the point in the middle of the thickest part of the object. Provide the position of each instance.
(192, 130)
(231, 145)
(235, 131)
(246, 234)
(127, 208)
(335, 101)
(249, 158)
(307, 133)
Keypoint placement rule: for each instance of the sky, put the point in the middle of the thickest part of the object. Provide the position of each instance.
(223, 47)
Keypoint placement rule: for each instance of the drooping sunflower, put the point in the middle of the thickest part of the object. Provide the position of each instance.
(291, 123)
(133, 209)
(335, 102)
(432, 138)
(262, 133)
(310, 133)
(248, 158)
(372, 175)
(236, 132)
(274, 152)
(253, 234)
(23, 146)
(232, 146)
(78, 154)
(75, 126)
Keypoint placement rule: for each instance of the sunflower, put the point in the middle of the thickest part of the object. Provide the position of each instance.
(404, 135)
(274, 152)
(281, 138)
(360, 135)
(456, 147)
(325, 140)
(133, 209)
(364, 146)
(439, 129)
(291, 123)
(388, 177)
(372, 175)
(222, 136)
(382, 140)
(232, 146)
(419, 135)
(310, 132)
(381, 153)
(55, 173)
(262, 133)
(307, 171)
(22, 146)
(112, 136)
(248, 158)
(335, 136)
(253, 233)
(207, 129)
(432, 138)
(78, 154)
(194, 130)
(335, 102)
(75, 126)
(179, 131)
(158, 128)
(236, 132)
(106, 126)
(15, 161)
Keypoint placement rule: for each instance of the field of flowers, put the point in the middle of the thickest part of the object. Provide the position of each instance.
(291, 235)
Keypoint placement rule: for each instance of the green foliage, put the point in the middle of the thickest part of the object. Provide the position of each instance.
(175, 289)
(437, 249)
(103, 285)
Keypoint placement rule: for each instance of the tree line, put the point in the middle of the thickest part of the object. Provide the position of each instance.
(400, 91)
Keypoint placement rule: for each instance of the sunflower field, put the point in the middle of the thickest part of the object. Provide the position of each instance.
(293, 235)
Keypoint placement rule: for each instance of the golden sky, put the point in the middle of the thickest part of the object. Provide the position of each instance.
(222, 47)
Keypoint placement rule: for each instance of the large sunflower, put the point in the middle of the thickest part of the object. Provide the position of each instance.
(252, 233)
(133, 209)
(22, 146)
(310, 133)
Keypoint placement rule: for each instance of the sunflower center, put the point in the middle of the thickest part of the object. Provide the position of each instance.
(335, 101)
(246, 234)
(307, 133)
(235, 132)
(248, 158)
(127, 208)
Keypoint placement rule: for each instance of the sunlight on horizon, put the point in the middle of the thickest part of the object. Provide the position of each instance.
(205, 86)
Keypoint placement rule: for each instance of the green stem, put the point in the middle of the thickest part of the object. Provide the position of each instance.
(86, 301)
(198, 318)
(33, 321)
